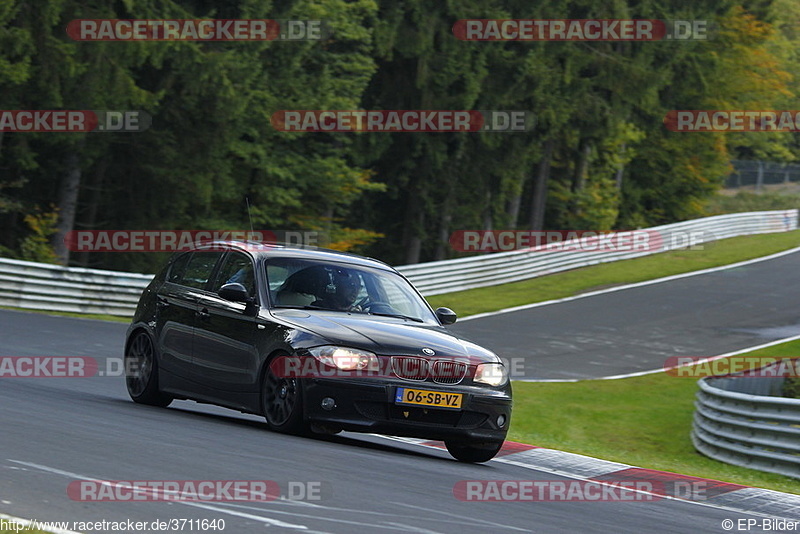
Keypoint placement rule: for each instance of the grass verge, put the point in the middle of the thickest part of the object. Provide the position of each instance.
(644, 421)
(570, 283)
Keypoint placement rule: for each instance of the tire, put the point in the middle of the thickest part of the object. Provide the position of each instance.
(473, 452)
(141, 372)
(282, 403)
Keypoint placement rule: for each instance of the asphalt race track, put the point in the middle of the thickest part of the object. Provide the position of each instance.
(637, 329)
(54, 431)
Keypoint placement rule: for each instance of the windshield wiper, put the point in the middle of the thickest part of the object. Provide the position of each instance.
(303, 307)
(312, 307)
(399, 316)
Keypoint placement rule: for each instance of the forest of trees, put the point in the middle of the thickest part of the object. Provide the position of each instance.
(599, 157)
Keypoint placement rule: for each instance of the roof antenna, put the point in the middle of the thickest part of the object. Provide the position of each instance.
(250, 217)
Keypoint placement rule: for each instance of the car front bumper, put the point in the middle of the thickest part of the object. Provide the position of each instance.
(365, 406)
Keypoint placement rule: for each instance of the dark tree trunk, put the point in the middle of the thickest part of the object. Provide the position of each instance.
(89, 222)
(514, 206)
(445, 219)
(488, 219)
(412, 226)
(446, 214)
(539, 196)
(67, 204)
(582, 167)
(621, 171)
(443, 240)
(414, 246)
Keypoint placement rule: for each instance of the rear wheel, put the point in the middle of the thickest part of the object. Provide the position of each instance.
(141, 372)
(282, 403)
(465, 451)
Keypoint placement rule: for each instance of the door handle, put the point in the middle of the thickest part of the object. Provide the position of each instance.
(203, 314)
(162, 302)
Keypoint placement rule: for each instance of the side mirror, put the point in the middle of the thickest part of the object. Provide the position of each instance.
(446, 315)
(234, 292)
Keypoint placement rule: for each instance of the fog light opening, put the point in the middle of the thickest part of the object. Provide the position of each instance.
(501, 421)
(328, 403)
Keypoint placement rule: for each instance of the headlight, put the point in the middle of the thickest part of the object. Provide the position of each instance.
(346, 359)
(494, 374)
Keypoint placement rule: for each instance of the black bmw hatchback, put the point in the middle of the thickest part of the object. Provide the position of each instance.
(314, 341)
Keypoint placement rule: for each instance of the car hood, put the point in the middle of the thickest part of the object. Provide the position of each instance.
(382, 335)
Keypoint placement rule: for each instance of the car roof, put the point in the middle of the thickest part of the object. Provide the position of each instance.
(268, 250)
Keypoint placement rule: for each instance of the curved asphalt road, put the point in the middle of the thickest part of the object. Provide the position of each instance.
(55, 431)
(637, 329)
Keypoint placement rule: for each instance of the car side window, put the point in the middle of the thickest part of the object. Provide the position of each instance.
(237, 268)
(198, 269)
(177, 268)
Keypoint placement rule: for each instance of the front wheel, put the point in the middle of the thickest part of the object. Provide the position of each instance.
(473, 452)
(141, 372)
(282, 403)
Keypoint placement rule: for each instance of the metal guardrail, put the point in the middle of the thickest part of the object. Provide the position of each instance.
(50, 287)
(499, 268)
(40, 286)
(761, 173)
(742, 421)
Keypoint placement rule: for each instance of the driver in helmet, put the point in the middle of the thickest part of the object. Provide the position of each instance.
(341, 292)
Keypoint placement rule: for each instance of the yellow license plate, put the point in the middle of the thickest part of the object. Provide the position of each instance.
(423, 397)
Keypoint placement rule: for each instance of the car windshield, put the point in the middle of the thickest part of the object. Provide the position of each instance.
(302, 283)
